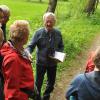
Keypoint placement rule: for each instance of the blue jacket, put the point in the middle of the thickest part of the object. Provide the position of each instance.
(85, 86)
(46, 43)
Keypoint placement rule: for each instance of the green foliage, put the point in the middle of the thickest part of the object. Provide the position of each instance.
(20, 9)
(73, 8)
(77, 29)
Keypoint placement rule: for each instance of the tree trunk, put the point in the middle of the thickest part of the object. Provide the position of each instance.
(40, 0)
(91, 6)
(51, 6)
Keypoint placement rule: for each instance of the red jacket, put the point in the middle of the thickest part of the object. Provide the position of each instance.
(90, 65)
(17, 72)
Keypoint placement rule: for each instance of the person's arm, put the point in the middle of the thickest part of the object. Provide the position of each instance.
(12, 78)
(31, 46)
(32, 43)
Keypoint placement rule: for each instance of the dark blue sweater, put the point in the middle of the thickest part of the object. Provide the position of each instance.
(46, 43)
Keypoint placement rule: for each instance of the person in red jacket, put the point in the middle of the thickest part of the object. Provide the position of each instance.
(90, 64)
(17, 69)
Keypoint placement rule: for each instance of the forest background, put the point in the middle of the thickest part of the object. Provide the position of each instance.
(77, 26)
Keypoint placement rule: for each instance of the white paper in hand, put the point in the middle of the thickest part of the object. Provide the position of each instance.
(59, 56)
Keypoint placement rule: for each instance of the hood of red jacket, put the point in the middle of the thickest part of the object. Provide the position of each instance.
(6, 49)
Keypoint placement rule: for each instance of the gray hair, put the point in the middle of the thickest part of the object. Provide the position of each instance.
(5, 8)
(49, 14)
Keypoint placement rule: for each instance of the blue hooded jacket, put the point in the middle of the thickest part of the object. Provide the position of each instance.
(85, 87)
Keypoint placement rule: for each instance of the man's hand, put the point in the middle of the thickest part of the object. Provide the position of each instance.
(28, 55)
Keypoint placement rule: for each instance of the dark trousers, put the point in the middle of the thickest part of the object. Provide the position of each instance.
(51, 76)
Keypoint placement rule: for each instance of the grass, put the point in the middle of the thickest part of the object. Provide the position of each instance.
(25, 10)
(77, 29)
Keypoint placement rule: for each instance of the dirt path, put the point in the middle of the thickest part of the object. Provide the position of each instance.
(68, 74)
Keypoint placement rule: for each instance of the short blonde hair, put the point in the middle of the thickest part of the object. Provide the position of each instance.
(49, 14)
(19, 29)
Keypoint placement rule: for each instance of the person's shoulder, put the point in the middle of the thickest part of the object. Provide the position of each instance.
(57, 30)
(78, 78)
(8, 53)
(11, 57)
(7, 50)
(39, 30)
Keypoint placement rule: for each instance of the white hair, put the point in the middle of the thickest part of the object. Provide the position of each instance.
(4, 8)
(49, 14)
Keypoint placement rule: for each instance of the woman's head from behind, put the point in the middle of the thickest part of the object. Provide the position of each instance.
(19, 31)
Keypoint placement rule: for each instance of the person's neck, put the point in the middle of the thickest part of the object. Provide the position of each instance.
(48, 30)
(18, 46)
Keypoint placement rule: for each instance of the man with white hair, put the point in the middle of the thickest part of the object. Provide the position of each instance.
(48, 40)
(4, 17)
